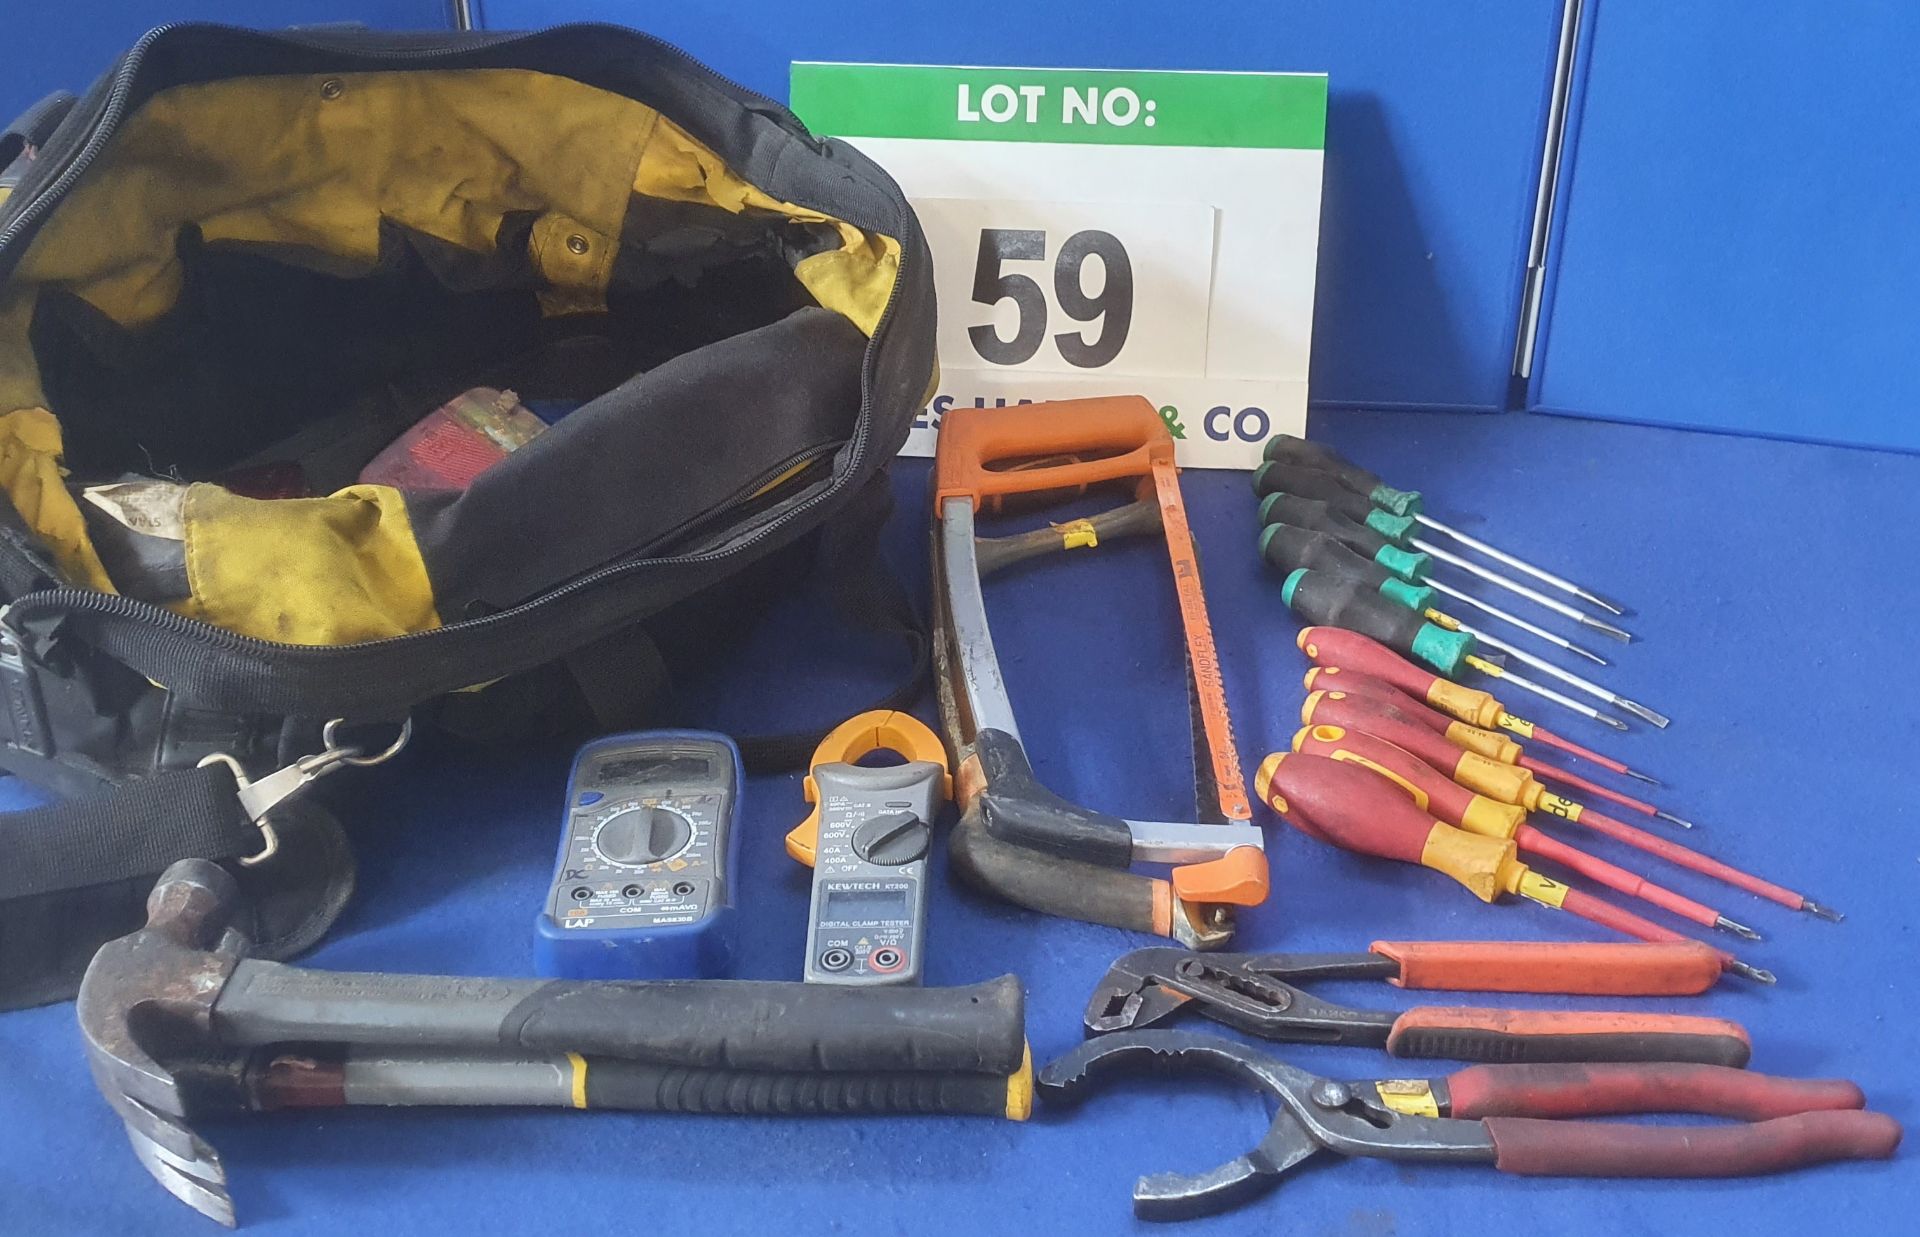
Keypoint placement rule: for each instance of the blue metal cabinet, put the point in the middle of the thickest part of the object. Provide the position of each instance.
(1739, 240)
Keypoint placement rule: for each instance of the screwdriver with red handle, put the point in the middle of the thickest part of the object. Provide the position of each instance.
(1473, 738)
(1357, 810)
(1511, 784)
(1332, 600)
(1441, 797)
(1350, 650)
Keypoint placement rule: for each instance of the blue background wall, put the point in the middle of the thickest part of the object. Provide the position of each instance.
(1740, 238)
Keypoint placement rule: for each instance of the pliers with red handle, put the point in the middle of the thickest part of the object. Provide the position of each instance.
(1504, 1115)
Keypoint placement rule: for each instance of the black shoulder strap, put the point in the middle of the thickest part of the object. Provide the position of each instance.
(134, 829)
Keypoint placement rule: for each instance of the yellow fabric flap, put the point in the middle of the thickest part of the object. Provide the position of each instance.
(855, 280)
(334, 570)
(31, 475)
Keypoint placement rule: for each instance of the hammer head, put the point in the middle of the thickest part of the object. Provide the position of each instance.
(146, 1015)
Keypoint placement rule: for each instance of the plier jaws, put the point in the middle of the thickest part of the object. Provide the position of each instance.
(1504, 1115)
(1314, 1114)
(1251, 992)
(1256, 993)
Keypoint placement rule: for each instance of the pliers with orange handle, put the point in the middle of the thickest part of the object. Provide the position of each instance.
(1258, 993)
(1503, 1115)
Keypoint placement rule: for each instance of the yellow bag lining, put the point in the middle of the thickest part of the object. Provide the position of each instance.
(317, 163)
(34, 482)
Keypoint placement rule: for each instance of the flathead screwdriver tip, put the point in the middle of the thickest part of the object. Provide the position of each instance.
(1738, 929)
(1825, 912)
(1642, 712)
(1670, 818)
(1606, 629)
(1638, 776)
(1754, 973)
(1605, 720)
(1607, 604)
(1589, 654)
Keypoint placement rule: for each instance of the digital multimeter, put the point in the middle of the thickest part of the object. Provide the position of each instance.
(643, 885)
(867, 841)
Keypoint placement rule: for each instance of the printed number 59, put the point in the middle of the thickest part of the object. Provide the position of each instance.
(1114, 302)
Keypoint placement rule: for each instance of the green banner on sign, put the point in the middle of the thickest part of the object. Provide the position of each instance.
(1272, 111)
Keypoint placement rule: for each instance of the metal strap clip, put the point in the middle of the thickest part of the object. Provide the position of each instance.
(260, 797)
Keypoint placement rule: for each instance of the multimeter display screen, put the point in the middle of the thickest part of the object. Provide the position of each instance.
(648, 770)
(844, 905)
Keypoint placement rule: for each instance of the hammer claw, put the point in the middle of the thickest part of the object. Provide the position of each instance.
(199, 1182)
(169, 1133)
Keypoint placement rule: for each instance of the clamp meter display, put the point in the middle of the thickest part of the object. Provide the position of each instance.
(643, 885)
(867, 840)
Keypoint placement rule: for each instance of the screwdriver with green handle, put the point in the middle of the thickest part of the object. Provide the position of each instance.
(1374, 540)
(1336, 601)
(1276, 478)
(1289, 548)
(1290, 449)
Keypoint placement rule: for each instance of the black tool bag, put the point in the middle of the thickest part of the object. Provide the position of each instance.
(242, 265)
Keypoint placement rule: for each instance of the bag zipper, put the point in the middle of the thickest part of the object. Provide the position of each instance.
(113, 606)
(113, 109)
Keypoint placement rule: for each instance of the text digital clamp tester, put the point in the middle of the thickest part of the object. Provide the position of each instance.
(867, 840)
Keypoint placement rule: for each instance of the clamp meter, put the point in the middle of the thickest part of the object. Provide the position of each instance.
(643, 886)
(867, 840)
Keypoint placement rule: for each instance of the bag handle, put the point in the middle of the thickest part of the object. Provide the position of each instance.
(33, 127)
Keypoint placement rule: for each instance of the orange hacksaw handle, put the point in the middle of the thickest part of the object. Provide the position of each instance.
(1124, 433)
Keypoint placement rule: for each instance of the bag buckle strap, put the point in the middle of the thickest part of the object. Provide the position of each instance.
(259, 797)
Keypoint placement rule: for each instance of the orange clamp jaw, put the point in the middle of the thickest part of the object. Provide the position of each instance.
(855, 739)
(1237, 878)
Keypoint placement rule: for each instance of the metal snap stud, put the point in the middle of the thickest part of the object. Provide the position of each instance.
(577, 243)
(332, 88)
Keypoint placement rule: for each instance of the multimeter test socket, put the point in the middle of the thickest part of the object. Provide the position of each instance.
(643, 884)
(866, 841)
(867, 921)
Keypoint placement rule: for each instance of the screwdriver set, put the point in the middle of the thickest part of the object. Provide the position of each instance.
(1397, 759)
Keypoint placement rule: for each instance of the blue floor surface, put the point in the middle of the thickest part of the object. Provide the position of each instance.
(1775, 588)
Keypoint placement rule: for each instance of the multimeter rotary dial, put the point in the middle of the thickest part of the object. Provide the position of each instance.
(634, 835)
